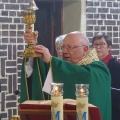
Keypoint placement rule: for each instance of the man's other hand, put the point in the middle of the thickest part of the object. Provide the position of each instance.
(45, 54)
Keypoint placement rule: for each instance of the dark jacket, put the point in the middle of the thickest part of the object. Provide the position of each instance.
(114, 67)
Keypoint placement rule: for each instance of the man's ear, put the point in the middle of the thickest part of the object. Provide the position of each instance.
(85, 50)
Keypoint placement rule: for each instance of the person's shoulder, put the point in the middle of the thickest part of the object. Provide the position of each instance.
(114, 63)
(114, 60)
(100, 69)
(99, 65)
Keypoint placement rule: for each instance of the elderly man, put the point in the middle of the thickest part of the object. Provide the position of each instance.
(79, 66)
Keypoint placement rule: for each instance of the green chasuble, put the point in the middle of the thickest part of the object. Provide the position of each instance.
(31, 88)
(96, 74)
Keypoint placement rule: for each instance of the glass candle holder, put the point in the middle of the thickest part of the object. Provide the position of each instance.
(82, 101)
(57, 101)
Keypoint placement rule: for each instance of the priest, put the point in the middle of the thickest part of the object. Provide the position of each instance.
(79, 66)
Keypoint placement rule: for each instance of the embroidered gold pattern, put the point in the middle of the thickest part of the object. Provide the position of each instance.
(89, 58)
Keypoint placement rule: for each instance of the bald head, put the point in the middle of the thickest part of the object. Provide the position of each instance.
(79, 37)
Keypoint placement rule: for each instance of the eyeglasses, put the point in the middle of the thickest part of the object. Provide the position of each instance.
(101, 45)
(69, 48)
(59, 48)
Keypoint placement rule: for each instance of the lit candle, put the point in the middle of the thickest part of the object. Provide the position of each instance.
(57, 101)
(56, 91)
(82, 101)
(81, 92)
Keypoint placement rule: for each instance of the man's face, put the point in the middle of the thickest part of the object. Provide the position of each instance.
(101, 47)
(73, 49)
(59, 49)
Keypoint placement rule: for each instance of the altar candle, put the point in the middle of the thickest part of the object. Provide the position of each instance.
(56, 91)
(57, 101)
(82, 101)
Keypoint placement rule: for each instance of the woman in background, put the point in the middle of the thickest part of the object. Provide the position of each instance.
(103, 43)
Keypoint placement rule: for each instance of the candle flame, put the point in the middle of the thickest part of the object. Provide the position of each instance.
(81, 90)
(56, 92)
(56, 88)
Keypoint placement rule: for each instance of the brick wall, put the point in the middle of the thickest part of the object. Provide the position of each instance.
(11, 46)
(102, 15)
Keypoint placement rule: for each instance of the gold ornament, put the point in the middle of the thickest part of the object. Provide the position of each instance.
(15, 117)
(89, 58)
(29, 19)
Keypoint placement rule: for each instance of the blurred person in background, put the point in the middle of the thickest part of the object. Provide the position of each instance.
(58, 45)
(103, 44)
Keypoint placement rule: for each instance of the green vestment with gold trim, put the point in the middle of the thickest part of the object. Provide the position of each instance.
(96, 74)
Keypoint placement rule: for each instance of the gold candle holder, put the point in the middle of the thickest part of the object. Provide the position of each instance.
(56, 101)
(15, 117)
(29, 18)
(82, 101)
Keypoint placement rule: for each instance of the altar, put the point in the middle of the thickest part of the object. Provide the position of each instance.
(40, 110)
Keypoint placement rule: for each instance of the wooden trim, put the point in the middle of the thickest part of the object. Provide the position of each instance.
(59, 18)
(52, 24)
(43, 112)
(58, 21)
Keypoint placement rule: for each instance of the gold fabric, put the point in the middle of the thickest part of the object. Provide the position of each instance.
(89, 58)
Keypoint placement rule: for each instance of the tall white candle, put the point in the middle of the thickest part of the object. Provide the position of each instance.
(57, 107)
(82, 108)
(56, 101)
(82, 101)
